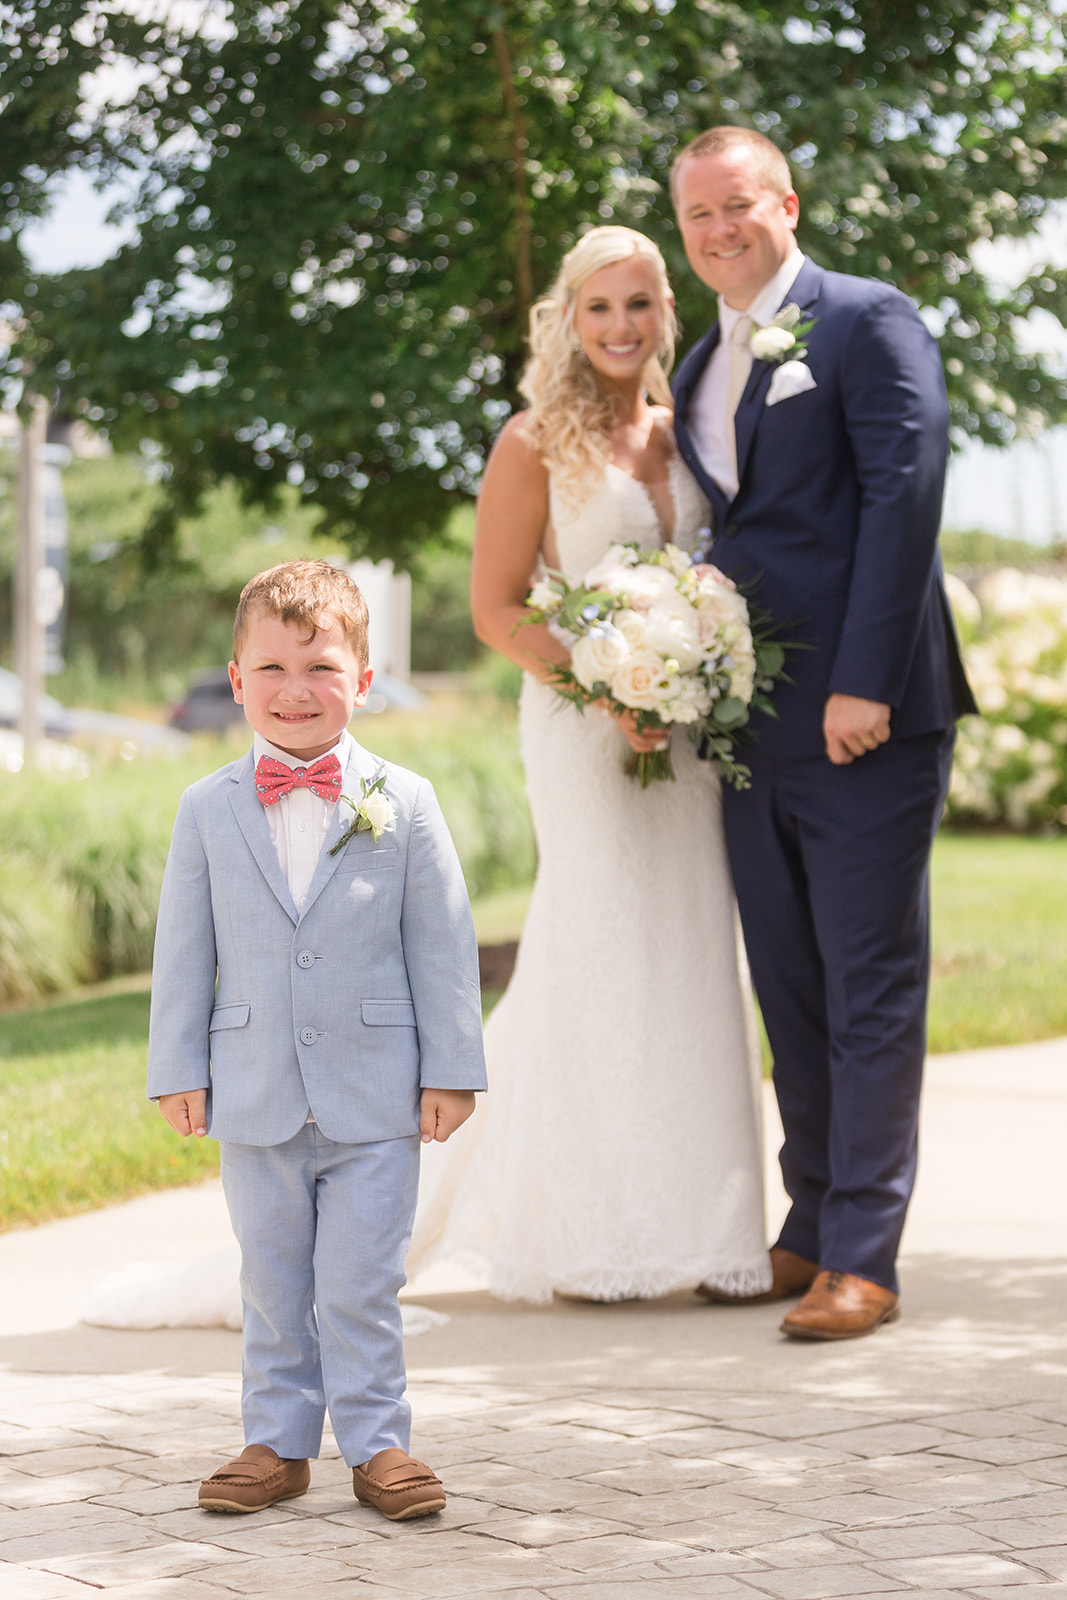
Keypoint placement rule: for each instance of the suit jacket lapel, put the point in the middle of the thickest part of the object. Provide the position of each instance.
(248, 810)
(804, 293)
(360, 764)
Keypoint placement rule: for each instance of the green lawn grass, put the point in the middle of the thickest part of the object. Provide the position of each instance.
(76, 1131)
(999, 941)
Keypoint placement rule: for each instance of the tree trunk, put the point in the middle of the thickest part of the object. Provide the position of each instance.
(517, 130)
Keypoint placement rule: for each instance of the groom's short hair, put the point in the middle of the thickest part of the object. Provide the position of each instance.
(771, 164)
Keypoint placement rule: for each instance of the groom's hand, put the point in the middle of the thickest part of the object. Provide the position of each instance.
(443, 1111)
(852, 727)
(186, 1112)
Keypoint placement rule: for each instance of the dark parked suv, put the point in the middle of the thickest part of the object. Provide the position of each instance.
(209, 706)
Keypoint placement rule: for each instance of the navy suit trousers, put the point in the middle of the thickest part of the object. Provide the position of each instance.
(831, 867)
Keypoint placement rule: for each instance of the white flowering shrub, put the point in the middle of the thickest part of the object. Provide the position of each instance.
(1011, 763)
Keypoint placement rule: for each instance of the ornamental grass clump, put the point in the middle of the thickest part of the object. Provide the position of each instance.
(81, 859)
(105, 839)
(44, 944)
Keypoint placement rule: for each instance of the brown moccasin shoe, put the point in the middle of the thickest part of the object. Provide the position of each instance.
(254, 1481)
(840, 1305)
(791, 1275)
(397, 1486)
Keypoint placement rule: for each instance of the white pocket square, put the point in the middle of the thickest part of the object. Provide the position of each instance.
(792, 377)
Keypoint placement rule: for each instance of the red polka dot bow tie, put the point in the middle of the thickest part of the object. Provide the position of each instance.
(274, 779)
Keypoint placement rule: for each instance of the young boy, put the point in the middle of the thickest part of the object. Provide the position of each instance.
(315, 1005)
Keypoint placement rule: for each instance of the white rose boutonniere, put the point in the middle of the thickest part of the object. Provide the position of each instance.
(784, 338)
(374, 812)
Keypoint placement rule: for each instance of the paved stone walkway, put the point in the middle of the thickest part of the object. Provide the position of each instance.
(581, 1495)
(667, 1449)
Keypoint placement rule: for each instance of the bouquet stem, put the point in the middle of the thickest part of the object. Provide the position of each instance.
(650, 766)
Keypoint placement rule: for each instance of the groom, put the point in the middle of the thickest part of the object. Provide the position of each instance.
(825, 476)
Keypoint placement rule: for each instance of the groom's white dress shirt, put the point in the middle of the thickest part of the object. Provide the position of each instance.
(710, 423)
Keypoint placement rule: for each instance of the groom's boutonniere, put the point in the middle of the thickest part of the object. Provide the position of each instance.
(374, 811)
(785, 338)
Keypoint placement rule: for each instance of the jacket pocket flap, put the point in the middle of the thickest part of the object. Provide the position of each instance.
(232, 1016)
(388, 1013)
(360, 859)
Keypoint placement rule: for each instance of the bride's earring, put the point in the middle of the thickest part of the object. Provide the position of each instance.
(580, 353)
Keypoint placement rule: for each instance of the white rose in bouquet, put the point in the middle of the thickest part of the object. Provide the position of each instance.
(743, 670)
(719, 611)
(720, 600)
(613, 570)
(650, 586)
(642, 586)
(611, 576)
(632, 626)
(679, 609)
(676, 561)
(692, 701)
(596, 656)
(675, 638)
(544, 596)
(641, 682)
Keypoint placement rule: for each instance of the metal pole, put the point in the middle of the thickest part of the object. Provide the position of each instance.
(29, 632)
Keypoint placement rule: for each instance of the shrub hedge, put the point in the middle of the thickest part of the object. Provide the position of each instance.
(81, 860)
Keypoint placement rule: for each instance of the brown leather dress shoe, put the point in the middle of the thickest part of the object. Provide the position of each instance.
(841, 1306)
(254, 1481)
(791, 1275)
(398, 1486)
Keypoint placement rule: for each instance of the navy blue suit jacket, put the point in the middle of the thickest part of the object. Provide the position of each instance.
(834, 526)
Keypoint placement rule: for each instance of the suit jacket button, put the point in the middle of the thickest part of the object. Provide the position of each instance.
(308, 1035)
(731, 530)
(306, 958)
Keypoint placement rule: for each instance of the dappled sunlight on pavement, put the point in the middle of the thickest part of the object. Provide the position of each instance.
(668, 1449)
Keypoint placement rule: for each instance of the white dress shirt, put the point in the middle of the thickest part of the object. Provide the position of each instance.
(710, 427)
(300, 821)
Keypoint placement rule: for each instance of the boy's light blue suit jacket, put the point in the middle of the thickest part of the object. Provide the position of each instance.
(347, 1007)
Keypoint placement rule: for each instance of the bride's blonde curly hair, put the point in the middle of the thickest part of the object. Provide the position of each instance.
(570, 416)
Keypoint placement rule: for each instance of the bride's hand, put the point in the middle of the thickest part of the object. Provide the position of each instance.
(643, 743)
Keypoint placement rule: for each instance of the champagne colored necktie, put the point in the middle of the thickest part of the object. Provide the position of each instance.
(740, 367)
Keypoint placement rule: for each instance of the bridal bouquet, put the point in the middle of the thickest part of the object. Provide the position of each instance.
(650, 633)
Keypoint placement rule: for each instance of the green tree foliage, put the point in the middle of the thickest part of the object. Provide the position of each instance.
(344, 207)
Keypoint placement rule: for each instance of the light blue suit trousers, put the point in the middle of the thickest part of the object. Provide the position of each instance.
(324, 1229)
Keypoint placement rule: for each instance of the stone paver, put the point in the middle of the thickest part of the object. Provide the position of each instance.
(512, 1528)
(667, 1451)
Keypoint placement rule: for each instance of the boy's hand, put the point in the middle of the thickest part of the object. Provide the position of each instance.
(187, 1112)
(443, 1111)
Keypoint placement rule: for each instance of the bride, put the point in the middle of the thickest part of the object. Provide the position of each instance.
(618, 1152)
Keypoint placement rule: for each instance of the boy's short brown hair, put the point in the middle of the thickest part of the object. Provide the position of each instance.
(306, 593)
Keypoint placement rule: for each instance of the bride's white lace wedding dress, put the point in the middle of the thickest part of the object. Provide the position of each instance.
(618, 1152)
